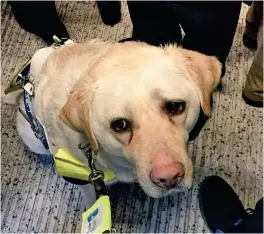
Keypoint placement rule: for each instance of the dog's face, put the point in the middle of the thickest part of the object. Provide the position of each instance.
(140, 103)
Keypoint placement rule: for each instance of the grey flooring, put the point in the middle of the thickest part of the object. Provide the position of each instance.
(35, 199)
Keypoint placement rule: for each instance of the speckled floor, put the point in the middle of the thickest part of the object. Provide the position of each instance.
(35, 199)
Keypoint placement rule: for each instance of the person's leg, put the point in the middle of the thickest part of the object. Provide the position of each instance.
(209, 26)
(253, 22)
(40, 18)
(110, 11)
(153, 22)
(253, 90)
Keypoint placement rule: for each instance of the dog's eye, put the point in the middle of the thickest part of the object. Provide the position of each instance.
(120, 125)
(175, 108)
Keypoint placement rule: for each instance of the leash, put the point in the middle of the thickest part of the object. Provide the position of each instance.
(97, 219)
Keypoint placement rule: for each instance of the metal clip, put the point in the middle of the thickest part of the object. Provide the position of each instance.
(88, 153)
(20, 79)
(58, 41)
(29, 88)
(96, 177)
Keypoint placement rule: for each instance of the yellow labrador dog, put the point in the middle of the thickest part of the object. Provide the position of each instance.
(135, 103)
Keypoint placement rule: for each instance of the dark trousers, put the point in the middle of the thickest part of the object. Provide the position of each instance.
(209, 26)
(41, 17)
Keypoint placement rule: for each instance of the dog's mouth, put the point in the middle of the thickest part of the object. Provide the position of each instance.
(155, 191)
(170, 187)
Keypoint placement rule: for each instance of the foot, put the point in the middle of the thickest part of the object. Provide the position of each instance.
(252, 102)
(249, 42)
(220, 207)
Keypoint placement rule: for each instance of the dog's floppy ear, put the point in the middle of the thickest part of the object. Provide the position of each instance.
(76, 113)
(204, 71)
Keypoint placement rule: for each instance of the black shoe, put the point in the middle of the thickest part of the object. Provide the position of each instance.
(251, 102)
(250, 43)
(254, 223)
(221, 208)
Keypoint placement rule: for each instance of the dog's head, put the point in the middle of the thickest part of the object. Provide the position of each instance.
(141, 102)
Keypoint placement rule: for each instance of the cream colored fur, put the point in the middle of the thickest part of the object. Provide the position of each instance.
(81, 88)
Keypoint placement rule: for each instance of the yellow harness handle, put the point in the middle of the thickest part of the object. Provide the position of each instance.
(69, 166)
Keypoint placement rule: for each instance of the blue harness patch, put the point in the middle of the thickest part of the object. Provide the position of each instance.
(34, 123)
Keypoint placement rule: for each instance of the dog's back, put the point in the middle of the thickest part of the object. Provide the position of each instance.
(15, 98)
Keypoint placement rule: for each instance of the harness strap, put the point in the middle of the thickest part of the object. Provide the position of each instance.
(34, 123)
(67, 165)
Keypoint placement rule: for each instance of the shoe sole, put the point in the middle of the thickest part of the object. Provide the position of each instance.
(251, 102)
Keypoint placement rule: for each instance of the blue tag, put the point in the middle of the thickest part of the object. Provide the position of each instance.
(92, 215)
